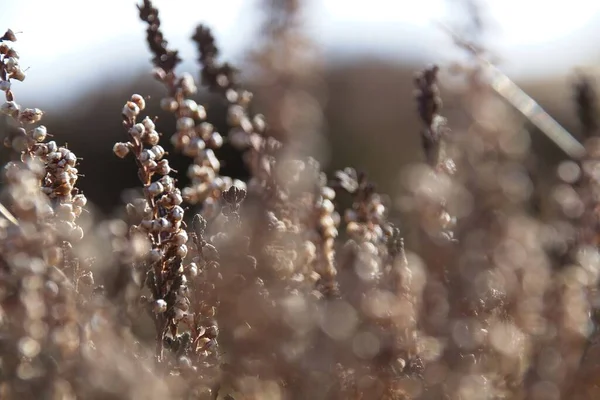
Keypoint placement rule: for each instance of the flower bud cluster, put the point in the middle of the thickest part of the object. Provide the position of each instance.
(9, 64)
(160, 217)
(59, 163)
(59, 183)
(160, 211)
(195, 138)
(365, 220)
(11, 69)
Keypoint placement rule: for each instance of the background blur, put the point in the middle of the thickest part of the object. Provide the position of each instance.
(86, 58)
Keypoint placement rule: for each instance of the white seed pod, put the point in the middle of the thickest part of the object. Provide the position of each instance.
(11, 63)
(158, 151)
(194, 147)
(147, 224)
(189, 195)
(159, 306)
(232, 95)
(71, 159)
(177, 213)
(379, 211)
(63, 177)
(41, 150)
(245, 98)
(163, 167)
(203, 190)
(205, 129)
(211, 160)
(180, 238)
(168, 183)
(148, 124)
(179, 140)
(258, 123)
(70, 216)
(181, 251)
(130, 110)
(18, 74)
(235, 113)
(10, 108)
(139, 101)
(219, 183)
(141, 206)
(350, 215)
(188, 86)
(201, 172)
(327, 206)
(185, 124)
(52, 146)
(137, 131)
(199, 114)
(161, 225)
(155, 188)
(39, 133)
(54, 157)
(31, 115)
(147, 155)
(150, 164)
(189, 106)
(216, 140)
(327, 193)
(51, 289)
(169, 104)
(152, 138)
(326, 221)
(121, 149)
(175, 197)
(64, 209)
(246, 125)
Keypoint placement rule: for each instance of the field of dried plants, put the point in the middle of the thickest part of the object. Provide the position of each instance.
(286, 283)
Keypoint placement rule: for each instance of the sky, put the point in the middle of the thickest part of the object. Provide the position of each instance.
(63, 40)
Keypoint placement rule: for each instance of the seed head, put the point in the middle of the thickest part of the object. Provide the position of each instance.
(39, 133)
(10, 108)
(121, 149)
(155, 188)
(177, 213)
(139, 101)
(131, 110)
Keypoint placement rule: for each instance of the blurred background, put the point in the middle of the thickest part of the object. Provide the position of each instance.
(335, 77)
